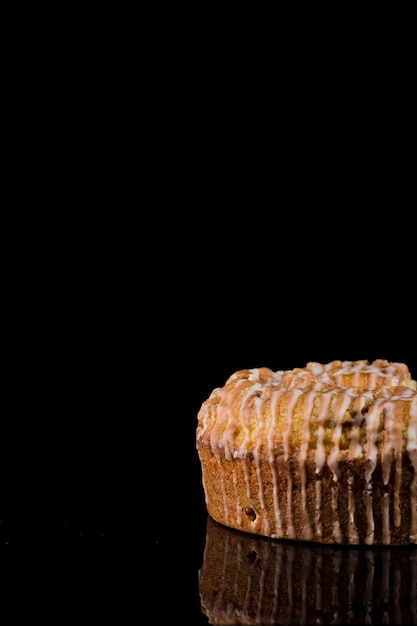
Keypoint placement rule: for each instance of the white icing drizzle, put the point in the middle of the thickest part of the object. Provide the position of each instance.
(412, 453)
(246, 474)
(259, 404)
(238, 504)
(374, 372)
(343, 402)
(271, 452)
(320, 456)
(245, 415)
(296, 393)
(223, 486)
(369, 539)
(392, 450)
(370, 447)
(353, 534)
(355, 448)
(305, 438)
(337, 534)
(290, 524)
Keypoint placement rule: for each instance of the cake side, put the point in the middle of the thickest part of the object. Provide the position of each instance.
(271, 500)
(296, 455)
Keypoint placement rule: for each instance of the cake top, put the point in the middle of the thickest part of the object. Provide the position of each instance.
(333, 409)
(360, 375)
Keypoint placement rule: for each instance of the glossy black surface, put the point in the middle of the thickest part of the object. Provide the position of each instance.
(262, 581)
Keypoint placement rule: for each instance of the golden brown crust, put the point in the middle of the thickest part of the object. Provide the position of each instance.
(326, 453)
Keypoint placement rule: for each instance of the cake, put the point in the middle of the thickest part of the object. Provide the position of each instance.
(323, 453)
(250, 579)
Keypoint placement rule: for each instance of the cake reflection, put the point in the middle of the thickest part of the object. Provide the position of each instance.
(247, 579)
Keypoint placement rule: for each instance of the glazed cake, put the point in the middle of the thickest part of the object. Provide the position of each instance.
(325, 453)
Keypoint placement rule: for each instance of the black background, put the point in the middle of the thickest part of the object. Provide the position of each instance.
(115, 337)
(168, 224)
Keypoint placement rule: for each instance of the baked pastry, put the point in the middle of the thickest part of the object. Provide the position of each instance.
(324, 453)
(250, 579)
